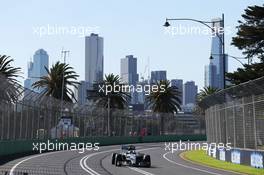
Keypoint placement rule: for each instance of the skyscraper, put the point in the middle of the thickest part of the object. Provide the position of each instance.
(189, 93)
(179, 84)
(94, 58)
(157, 76)
(215, 70)
(210, 76)
(36, 69)
(128, 70)
(129, 75)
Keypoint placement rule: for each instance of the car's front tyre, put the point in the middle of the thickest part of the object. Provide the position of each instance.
(113, 158)
(118, 160)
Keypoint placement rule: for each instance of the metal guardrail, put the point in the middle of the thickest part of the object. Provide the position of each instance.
(236, 115)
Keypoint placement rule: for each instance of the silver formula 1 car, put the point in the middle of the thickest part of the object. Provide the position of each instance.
(129, 156)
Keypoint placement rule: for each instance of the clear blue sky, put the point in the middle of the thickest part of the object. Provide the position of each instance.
(128, 27)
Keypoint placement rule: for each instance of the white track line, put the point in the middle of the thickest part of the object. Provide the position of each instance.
(186, 166)
(82, 166)
(140, 171)
(85, 167)
(32, 157)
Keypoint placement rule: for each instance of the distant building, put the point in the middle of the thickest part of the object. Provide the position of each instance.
(215, 71)
(142, 95)
(189, 93)
(129, 75)
(179, 84)
(81, 92)
(210, 78)
(128, 70)
(157, 76)
(188, 108)
(137, 107)
(94, 58)
(36, 69)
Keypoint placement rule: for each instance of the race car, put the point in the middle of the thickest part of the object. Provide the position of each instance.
(129, 156)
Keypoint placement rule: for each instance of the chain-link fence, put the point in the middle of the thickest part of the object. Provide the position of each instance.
(25, 114)
(236, 115)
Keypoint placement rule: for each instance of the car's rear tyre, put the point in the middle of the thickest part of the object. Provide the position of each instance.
(118, 160)
(113, 158)
(147, 161)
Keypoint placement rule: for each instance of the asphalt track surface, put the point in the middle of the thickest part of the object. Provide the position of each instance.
(99, 163)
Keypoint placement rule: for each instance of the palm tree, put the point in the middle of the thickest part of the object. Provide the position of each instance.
(165, 100)
(205, 92)
(8, 75)
(113, 99)
(53, 82)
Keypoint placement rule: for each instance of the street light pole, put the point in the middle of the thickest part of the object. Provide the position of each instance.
(108, 116)
(223, 51)
(64, 52)
(206, 23)
(230, 56)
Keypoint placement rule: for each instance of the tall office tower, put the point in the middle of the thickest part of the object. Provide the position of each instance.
(210, 76)
(189, 93)
(156, 76)
(94, 58)
(179, 84)
(81, 92)
(128, 70)
(129, 75)
(36, 69)
(217, 56)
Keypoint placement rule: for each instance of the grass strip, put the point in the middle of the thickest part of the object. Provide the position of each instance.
(200, 157)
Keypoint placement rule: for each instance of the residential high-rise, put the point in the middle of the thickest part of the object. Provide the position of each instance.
(157, 76)
(94, 58)
(36, 69)
(129, 75)
(179, 84)
(217, 72)
(189, 93)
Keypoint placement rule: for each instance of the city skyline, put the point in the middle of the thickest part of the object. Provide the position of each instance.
(155, 46)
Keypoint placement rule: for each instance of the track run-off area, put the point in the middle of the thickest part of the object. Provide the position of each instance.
(99, 163)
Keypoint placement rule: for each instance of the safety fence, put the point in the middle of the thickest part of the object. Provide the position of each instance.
(236, 115)
(25, 114)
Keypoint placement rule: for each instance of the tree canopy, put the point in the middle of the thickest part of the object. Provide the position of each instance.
(250, 39)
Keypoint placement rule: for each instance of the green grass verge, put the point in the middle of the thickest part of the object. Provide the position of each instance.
(201, 157)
